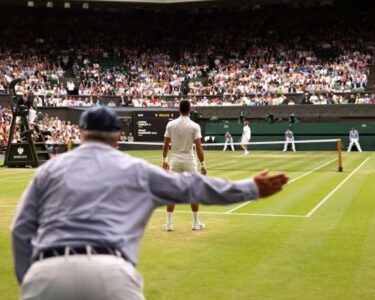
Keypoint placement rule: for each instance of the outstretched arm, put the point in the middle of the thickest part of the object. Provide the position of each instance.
(172, 188)
(269, 185)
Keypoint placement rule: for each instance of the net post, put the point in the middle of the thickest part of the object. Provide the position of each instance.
(339, 152)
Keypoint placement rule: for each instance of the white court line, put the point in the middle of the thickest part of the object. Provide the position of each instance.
(293, 180)
(335, 189)
(270, 215)
(211, 213)
(237, 214)
(309, 172)
(238, 207)
(219, 164)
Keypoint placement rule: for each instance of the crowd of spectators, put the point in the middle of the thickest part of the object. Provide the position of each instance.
(232, 58)
(54, 130)
(244, 100)
(330, 98)
(5, 121)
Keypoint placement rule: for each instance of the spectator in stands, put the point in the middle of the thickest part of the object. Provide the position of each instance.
(256, 69)
(112, 104)
(123, 137)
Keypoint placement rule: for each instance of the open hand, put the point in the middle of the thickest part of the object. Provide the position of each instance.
(269, 185)
(203, 171)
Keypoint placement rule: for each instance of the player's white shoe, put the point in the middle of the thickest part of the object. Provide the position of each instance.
(198, 226)
(168, 227)
(246, 153)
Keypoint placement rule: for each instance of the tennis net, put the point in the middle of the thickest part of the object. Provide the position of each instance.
(310, 155)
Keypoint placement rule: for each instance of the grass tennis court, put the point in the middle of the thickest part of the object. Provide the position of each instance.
(315, 240)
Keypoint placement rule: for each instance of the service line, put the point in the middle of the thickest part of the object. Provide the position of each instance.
(237, 214)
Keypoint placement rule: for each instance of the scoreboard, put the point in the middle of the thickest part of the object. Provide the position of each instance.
(149, 126)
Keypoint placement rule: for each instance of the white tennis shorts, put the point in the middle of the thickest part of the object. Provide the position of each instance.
(180, 165)
(245, 141)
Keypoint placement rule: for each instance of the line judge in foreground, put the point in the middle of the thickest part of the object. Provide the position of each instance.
(78, 226)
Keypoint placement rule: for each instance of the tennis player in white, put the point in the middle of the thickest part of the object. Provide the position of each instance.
(228, 141)
(354, 139)
(182, 134)
(289, 139)
(246, 136)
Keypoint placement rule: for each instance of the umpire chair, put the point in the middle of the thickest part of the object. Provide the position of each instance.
(26, 152)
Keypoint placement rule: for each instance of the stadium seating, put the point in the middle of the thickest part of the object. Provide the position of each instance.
(215, 60)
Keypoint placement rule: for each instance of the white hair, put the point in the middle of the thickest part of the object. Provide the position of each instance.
(104, 136)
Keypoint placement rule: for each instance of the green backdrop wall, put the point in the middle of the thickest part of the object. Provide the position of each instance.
(302, 131)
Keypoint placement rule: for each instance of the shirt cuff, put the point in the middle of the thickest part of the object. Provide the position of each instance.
(249, 189)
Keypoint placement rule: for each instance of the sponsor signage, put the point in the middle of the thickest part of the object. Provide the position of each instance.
(20, 153)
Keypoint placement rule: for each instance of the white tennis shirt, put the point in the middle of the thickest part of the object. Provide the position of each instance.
(183, 132)
(353, 135)
(246, 132)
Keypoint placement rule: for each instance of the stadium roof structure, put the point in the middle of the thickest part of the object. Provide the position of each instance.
(168, 5)
(154, 3)
(189, 1)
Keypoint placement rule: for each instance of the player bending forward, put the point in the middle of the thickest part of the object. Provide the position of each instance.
(246, 136)
(289, 139)
(228, 141)
(182, 134)
(354, 139)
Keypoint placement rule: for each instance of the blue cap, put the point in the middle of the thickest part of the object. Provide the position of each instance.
(100, 118)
